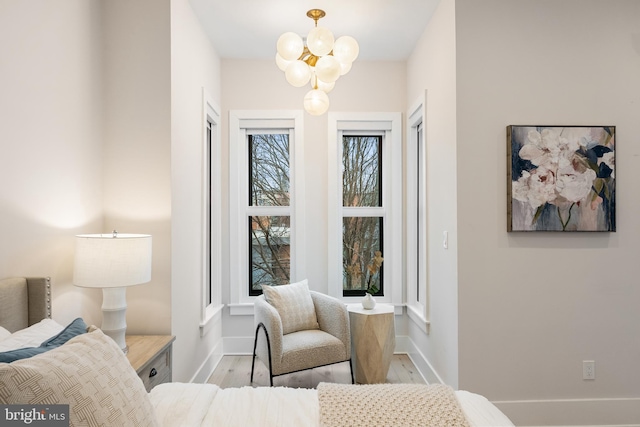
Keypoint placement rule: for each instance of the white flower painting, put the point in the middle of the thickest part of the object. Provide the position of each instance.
(561, 178)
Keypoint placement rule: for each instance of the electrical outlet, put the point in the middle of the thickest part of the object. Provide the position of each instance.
(588, 370)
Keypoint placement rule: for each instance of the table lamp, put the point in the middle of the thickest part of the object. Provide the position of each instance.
(112, 262)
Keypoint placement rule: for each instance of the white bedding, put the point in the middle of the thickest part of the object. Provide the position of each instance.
(32, 336)
(181, 404)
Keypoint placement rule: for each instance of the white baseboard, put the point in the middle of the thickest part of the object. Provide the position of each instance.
(614, 412)
(587, 425)
(420, 361)
(207, 367)
(237, 345)
(620, 412)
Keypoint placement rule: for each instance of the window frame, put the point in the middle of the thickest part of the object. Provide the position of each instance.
(241, 124)
(417, 265)
(389, 126)
(211, 214)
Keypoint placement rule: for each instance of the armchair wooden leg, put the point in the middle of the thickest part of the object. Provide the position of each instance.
(255, 344)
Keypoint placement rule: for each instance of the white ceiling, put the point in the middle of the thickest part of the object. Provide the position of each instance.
(249, 29)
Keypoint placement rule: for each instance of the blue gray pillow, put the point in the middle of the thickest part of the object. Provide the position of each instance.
(75, 328)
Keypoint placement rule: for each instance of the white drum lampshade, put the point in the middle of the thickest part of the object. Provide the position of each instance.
(112, 262)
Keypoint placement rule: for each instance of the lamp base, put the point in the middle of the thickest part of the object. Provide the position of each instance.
(114, 321)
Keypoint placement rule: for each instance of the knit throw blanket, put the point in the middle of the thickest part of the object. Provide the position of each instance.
(396, 405)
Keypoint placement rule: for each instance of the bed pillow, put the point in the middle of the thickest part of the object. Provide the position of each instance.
(75, 328)
(294, 305)
(91, 374)
(32, 336)
(4, 334)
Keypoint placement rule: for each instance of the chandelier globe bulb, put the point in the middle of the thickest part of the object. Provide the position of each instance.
(290, 46)
(345, 68)
(281, 62)
(320, 41)
(316, 83)
(328, 69)
(316, 102)
(346, 49)
(297, 73)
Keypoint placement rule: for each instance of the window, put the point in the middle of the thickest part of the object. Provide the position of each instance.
(421, 231)
(266, 200)
(211, 213)
(416, 217)
(269, 235)
(362, 233)
(365, 204)
(208, 215)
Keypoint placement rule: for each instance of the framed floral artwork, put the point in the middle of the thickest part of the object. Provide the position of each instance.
(561, 178)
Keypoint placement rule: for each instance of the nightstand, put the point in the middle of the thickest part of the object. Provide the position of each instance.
(150, 356)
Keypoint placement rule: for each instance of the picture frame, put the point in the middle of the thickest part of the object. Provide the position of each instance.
(561, 178)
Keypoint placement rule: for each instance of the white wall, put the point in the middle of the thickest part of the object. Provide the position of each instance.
(50, 142)
(533, 306)
(432, 68)
(194, 65)
(156, 62)
(530, 307)
(137, 145)
(102, 105)
(254, 85)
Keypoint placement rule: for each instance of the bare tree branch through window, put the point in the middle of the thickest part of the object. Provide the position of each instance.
(269, 235)
(361, 235)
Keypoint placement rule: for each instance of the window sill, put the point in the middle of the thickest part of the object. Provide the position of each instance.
(418, 318)
(243, 309)
(246, 309)
(213, 315)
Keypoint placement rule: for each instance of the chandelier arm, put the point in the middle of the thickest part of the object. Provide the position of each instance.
(307, 57)
(311, 60)
(305, 53)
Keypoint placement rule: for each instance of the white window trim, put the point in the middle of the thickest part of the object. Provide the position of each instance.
(211, 255)
(239, 124)
(390, 125)
(418, 311)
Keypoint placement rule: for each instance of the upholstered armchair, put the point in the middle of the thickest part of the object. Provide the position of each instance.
(299, 329)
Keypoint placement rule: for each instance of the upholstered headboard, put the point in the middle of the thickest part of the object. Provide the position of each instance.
(24, 301)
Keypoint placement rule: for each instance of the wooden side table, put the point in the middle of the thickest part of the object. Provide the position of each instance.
(151, 357)
(373, 340)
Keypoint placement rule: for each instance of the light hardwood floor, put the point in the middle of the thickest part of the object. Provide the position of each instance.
(235, 371)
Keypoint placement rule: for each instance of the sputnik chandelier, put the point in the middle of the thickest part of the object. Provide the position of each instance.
(322, 61)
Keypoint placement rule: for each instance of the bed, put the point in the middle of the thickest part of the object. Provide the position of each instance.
(81, 367)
